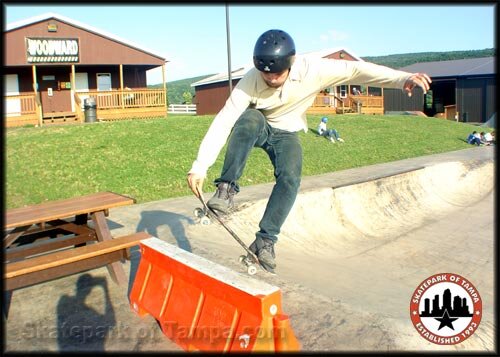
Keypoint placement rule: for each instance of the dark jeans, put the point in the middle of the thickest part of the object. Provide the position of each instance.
(331, 133)
(284, 150)
(475, 141)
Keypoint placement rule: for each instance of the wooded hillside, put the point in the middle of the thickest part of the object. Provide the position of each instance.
(406, 59)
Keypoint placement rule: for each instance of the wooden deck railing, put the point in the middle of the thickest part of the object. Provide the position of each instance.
(129, 103)
(368, 104)
(135, 98)
(26, 103)
(324, 100)
(369, 101)
(26, 108)
(22, 109)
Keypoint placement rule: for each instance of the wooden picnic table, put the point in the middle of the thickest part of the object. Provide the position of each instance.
(53, 239)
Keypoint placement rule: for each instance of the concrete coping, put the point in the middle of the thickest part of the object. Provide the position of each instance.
(230, 277)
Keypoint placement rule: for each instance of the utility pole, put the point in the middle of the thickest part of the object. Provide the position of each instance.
(228, 51)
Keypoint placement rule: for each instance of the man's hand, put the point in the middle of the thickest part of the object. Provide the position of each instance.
(417, 79)
(195, 182)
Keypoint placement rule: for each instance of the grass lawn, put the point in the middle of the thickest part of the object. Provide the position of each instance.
(149, 159)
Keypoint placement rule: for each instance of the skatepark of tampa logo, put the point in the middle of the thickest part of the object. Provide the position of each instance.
(446, 309)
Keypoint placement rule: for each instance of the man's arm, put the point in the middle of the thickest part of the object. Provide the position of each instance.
(218, 132)
(335, 72)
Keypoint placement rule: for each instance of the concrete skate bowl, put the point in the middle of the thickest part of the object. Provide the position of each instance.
(369, 245)
(334, 221)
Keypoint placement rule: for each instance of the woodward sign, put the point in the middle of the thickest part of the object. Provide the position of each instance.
(47, 50)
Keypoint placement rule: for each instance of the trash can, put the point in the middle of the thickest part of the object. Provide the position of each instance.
(465, 117)
(358, 106)
(90, 110)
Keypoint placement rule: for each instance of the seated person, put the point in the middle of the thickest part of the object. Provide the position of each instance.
(474, 138)
(330, 134)
(489, 138)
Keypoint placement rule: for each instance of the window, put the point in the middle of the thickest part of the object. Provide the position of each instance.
(12, 105)
(343, 91)
(103, 81)
(428, 99)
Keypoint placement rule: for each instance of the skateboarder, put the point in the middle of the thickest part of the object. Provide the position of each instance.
(267, 109)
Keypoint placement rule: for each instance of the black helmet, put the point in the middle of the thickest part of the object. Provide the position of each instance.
(274, 52)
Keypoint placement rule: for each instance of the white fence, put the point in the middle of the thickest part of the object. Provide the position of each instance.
(182, 108)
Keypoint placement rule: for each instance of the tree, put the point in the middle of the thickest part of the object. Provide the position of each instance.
(188, 97)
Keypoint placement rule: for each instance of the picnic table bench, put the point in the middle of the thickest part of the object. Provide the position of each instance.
(59, 238)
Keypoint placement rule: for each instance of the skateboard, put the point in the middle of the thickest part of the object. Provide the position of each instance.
(206, 214)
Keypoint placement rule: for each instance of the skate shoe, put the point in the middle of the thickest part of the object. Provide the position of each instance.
(332, 140)
(264, 250)
(341, 140)
(222, 200)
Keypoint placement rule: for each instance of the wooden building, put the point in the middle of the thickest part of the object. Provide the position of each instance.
(211, 93)
(53, 64)
(461, 90)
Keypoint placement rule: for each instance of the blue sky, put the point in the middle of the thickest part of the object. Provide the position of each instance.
(193, 37)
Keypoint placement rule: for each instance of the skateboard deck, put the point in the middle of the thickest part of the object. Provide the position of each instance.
(206, 214)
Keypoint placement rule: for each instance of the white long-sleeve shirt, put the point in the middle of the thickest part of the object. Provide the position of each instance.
(285, 107)
(321, 128)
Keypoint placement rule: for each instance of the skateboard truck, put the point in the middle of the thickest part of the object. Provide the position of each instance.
(204, 214)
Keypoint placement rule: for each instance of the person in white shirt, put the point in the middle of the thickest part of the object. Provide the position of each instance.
(330, 134)
(488, 138)
(267, 109)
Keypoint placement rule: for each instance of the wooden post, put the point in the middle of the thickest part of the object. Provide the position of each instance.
(72, 79)
(38, 102)
(164, 87)
(383, 110)
(121, 84)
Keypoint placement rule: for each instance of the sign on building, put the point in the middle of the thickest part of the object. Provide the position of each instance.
(50, 50)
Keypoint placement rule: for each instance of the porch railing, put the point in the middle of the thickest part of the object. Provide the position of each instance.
(129, 103)
(367, 103)
(135, 98)
(26, 108)
(22, 109)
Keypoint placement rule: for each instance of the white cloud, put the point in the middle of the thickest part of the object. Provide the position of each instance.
(323, 38)
(334, 35)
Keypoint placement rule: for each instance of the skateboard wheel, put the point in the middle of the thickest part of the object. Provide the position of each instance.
(242, 258)
(205, 220)
(252, 269)
(198, 212)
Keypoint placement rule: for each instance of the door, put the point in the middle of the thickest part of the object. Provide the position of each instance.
(81, 86)
(104, 100)
(103, 81)
(55, 91)
(12, 105)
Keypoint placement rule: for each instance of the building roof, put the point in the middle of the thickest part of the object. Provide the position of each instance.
(455, 68)
(221, 77)
(51, 15)
(240, 72)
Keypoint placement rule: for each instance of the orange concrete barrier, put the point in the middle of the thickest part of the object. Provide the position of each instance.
(203, 306)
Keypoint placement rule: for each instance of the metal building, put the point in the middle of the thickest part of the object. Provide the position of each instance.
(462, 90)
